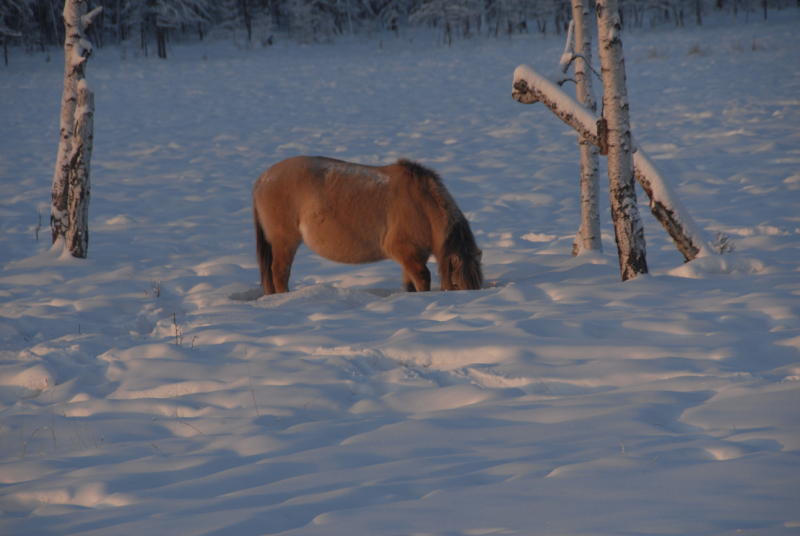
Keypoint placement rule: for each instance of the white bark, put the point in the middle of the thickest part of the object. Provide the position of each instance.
(589, 232)
(77, 238)
(628, 226)
(73, 72)
(76, 51)
(530, 86)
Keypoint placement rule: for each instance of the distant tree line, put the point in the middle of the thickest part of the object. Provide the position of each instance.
(151, 24)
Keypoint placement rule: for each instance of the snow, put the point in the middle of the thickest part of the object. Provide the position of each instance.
(148, 388)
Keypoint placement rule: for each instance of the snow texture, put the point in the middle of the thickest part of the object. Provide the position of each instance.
(149, 389)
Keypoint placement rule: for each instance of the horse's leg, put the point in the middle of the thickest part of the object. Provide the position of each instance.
(422, 279)
(412, 259)
(283, 253)
(416, 275)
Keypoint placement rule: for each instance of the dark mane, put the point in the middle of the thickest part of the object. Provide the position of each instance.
(436, 187)
(418, 170)
(459, 258)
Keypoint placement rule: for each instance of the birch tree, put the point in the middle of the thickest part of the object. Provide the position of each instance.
(71, 185)
(628, 227)
(588, 237)
(531, 86)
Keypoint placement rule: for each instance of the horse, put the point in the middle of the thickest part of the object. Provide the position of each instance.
(356, 214)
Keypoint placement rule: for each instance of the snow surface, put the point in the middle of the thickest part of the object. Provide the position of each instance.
(555, 401)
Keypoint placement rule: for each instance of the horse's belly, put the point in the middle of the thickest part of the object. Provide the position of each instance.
(342, 243)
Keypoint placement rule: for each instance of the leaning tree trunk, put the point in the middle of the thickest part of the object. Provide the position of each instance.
(589, 232)
(76, 51)
(624, 211)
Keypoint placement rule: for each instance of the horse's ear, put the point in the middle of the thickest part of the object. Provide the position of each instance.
(455, 261)
(479, 256)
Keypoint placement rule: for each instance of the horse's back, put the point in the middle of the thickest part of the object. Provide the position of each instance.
(316, 179)
(340, 209)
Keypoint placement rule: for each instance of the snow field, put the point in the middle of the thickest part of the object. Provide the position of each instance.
(149, 388)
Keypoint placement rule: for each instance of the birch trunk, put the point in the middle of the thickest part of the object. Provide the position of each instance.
(624, 211)
(76, 51)
(74, 70)
(589, 232)
(530, 86)
(79, 183)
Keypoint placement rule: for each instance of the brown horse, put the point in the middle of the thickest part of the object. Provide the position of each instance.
(357, 214)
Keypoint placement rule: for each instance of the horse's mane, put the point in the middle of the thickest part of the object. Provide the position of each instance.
(436, 188)
(459, 243)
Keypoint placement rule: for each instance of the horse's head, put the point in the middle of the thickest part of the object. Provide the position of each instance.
(460, 261)
(462, 271)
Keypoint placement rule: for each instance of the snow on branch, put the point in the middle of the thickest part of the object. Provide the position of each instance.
(568, 56)
(530, 86)
(9, 33)
(569, 50)
(87, 19)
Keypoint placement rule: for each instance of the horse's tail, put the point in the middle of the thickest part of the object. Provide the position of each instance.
(264, 254)
(460, 259)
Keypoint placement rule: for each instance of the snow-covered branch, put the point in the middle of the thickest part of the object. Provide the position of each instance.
(569, 51)
(89, 17)
(569, 56)
(530, 86)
